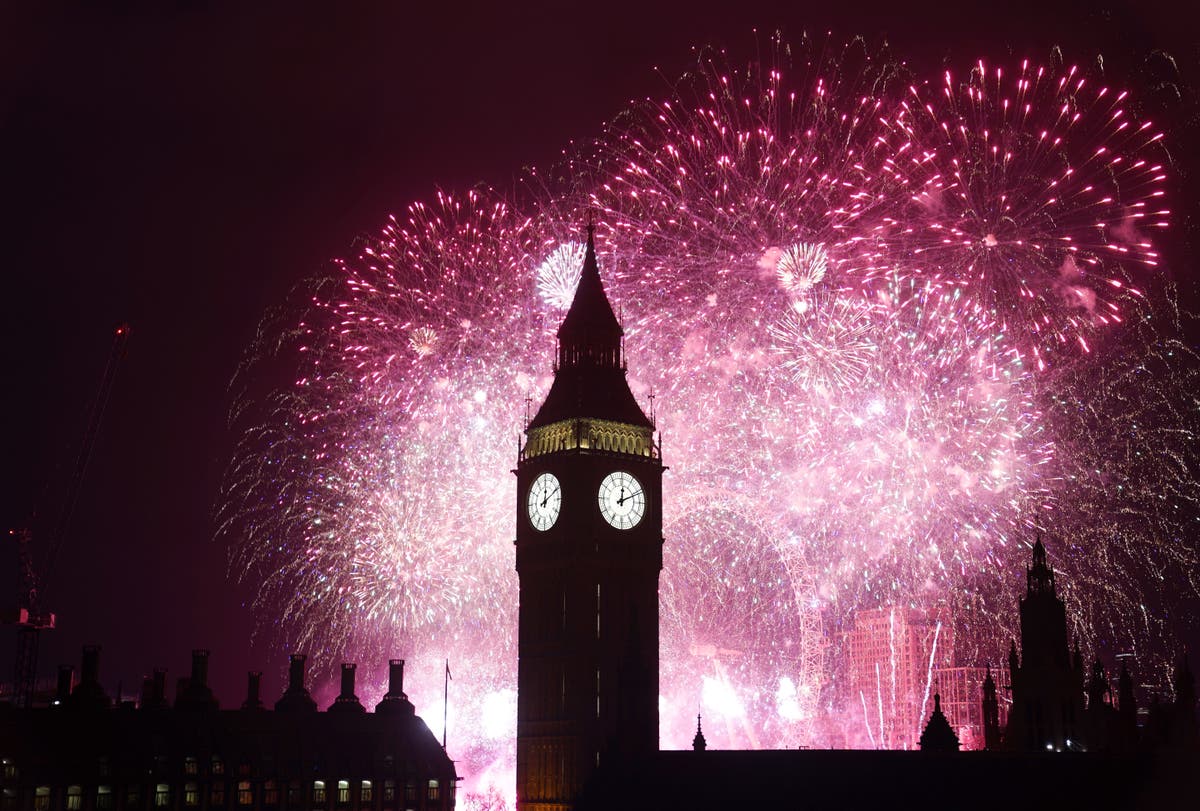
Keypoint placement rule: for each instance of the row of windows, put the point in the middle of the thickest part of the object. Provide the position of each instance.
(191, 767)
(244, 794)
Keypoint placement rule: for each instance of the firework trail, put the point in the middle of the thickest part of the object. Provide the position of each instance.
(851, 380)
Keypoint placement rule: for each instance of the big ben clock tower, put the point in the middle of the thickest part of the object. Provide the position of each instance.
(589, 551)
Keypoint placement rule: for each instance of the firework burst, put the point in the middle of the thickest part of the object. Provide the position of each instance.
(838, 286)
(1036, 189)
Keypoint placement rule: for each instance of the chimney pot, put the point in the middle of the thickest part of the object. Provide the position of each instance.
(396, 677)
(296, 671)
(200, 668)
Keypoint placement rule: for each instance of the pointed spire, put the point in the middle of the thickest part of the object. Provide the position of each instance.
(938, 736)
(1039, 578)
(590, 334)
(590, 378)
(698, 742)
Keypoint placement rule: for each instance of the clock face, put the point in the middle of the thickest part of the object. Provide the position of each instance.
(545, 501)
(622, 500)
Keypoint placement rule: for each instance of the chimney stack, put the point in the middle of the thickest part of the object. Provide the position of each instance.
(296, 671)
(347, 701)
(199, 668)
(396, 700)
(296, 697)
(253, 691)
(396, 678)
(88, 694)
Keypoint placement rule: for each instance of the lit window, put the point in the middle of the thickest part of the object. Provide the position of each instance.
(245, 793)
(191, 795)
(364, 795)
(318, 792)
(432, 794)
(389, 791)
(162, 795)
(74, 798)
(190, 766)
(41, 798)
(410, 792)
(343, 795)
(270, 793)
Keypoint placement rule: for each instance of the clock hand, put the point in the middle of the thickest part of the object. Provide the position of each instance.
(621, 501)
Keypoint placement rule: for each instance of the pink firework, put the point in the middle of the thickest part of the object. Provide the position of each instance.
(1038, 190)
(840, 360)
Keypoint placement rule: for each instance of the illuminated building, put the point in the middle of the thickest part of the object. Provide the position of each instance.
(961, 688)
(894, 653)
(83, 754)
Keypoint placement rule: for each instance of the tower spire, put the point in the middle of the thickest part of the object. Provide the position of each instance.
(589, 380)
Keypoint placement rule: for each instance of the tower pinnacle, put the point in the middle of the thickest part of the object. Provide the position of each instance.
(589, 380)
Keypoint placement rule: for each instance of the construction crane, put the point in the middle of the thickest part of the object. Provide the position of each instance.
(30, 617)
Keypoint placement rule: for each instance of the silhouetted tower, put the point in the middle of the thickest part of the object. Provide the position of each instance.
(1183, 715)
(699, 744)
(1047, 682)
(991, 714)
(938, 735)
(589, 552)
(1101, 727)
(1098, 687)
(1126, 711)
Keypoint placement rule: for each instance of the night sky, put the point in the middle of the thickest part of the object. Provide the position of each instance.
(183, 169)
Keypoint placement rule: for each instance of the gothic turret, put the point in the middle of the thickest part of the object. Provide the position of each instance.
(1047, 681)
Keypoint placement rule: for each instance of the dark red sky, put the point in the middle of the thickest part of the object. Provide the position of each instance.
(181, 169)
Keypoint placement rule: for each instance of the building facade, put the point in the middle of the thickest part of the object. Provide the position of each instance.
(83, 754)
(893, 655)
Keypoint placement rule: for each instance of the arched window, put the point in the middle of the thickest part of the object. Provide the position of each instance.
(318, 794)
(343, 792)
(74, 798)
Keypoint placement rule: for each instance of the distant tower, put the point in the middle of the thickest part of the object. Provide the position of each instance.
(1047, 683)
(589, 552)
(1127, 711)
(991, 714)
(698, 742)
